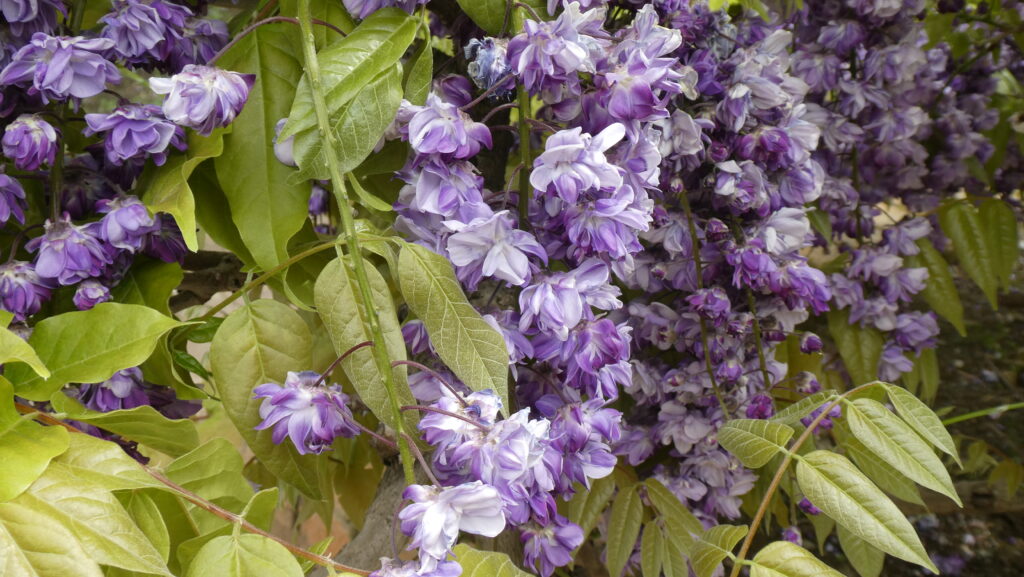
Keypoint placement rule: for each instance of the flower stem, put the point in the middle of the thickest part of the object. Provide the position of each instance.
(525, 190)
(695, 249)
(982, 413)
(323, 376)
(355, 260)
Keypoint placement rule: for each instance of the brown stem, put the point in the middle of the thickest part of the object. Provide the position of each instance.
(426, 409)
(239, 520)
(434, 374)
(323, 377)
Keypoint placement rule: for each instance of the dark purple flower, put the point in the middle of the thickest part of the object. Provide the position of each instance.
(26, 17)
(312, 416)
(58, 68)
(126, 222)
(30, 142)
(90, 293)
(488, 64)
(810, 343)
(826, 423)
(492, 247)
(202, 97)
(792, 534)
(548, 547)
(22, 290)
(12, 200)
(135, 131)
(558, 302)
(436, 516)
(144, 31)
(548, 55)
(807, 507)
(441, 186)
(760, 407)
(68, 252)
(202, 38)
(164, 240)
(441, 128)
(319, 200)
(123, 390)
(711, 303)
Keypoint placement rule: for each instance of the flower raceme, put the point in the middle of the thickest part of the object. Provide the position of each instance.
(311, 415)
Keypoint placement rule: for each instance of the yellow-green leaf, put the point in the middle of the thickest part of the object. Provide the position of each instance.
(707, 552)
(26, 447)
(754, 441)
(623, 528)
(923, 420)
(962, 224)
(477, 563)
(785, 559)
(866, 559)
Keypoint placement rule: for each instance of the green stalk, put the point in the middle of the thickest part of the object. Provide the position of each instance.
(982, 413)
(525, 191)
(368, 313)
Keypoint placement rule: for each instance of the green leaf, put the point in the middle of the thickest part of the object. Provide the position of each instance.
(713, 547)
(96, 518)
(490, 14)
(939, 292)
(149, 283)
(928, 364)
(260, 343)
(244, 556)
(325, 11)
(420, 75)
(923, 420)
(14, 349)
(884, 475)
(471, 348)
(962, 224)
(792, 414)
(166, 187)
(623, 528)
(89, 346)
(347, 66)
(1001, 235)
(865, 559)
(259, 511)
(674, 563)
(265, 207)
(357, 476)
(34, 545)
(104, 464)
(477, 563)
(652, 551)
(211, 208)
(897, 444)
(679, 520)
(754, 441)
(357, 129)
(147, 516)
(339, 304)
(586, 507)
(842, 492)
(785, 559)
(144, 424)
(860, 348)
(214, 472)
(26, 447)
(366, 198)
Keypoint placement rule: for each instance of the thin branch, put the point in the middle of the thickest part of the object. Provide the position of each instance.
(426, 409)
(419, 457)
(263, 22)
(434, 374)
(337, 361)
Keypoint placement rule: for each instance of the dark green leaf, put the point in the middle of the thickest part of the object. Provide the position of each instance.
(471, 348)
(623, 528)
(265, 207)
(940, 292)
(860, 348)
(1001, 235)
(962, 224)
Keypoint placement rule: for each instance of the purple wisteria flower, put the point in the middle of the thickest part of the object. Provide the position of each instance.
(807, 507)
(30, 142)
(488, 65)
(436, 516)
(90, 293)
(363, 8)
(492, 247)
(125, 223)
(123, 390)
(26, 17)
(22, 290)
(559, 301)
(58, 68)
(311, 416)
(284, 149)
(399, 568)
(442, 186)
(202, 97)
(135, 131)
(144, 31)
(548, 547)
(164, 240)
(440, 127)
(12, 200)
(573, 163)
(68, 252)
